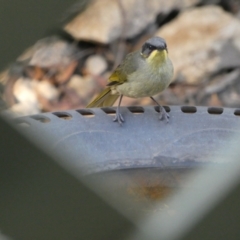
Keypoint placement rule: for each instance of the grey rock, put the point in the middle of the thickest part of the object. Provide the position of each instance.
(106, 20)
(50, 52)
(198, 42)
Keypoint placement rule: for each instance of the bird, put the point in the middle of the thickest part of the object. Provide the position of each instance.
(143, 73)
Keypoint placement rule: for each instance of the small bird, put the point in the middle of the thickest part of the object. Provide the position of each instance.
(143, 73)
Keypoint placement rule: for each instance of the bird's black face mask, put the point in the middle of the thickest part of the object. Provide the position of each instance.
(155, 43)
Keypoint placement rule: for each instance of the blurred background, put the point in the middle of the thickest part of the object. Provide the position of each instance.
(66, 66)
(58, 56)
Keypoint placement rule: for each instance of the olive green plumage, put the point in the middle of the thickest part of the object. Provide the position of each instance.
(142, 73)
(104, 99)
(119, 76)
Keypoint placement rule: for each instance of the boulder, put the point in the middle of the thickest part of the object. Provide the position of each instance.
(103, 21)
(199, 42)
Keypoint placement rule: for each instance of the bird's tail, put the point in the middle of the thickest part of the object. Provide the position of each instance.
(104, 99)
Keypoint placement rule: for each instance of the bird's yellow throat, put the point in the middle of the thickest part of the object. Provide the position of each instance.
(156, 58)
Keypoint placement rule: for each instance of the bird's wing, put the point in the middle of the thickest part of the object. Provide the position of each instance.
(104, 99)
(128, 66)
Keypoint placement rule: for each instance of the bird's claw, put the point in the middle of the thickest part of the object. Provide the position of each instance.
(163, 114)
(119, 118)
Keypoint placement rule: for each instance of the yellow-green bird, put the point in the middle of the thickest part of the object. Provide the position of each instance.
(142, 73)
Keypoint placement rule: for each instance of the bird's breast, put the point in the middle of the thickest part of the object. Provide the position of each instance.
(146, 81)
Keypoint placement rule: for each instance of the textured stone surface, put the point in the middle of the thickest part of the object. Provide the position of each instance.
(105, 20)
(50, 52)
(95, 65)
(196, 39)
(51, 58)
(203, 43)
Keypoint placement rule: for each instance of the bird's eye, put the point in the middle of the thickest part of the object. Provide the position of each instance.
(151, 47)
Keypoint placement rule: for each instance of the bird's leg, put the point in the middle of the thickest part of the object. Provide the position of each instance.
(162, 112)
(119, 118)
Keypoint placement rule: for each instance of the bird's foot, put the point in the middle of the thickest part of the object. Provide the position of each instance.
(118, 118)
(163, 114)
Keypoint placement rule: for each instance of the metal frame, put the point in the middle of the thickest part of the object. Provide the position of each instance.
(199, 212)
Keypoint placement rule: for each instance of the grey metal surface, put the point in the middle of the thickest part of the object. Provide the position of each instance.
(41, 200)
(92, 140)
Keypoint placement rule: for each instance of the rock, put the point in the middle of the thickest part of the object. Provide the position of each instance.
(232, 6)
(30, 93)
(23, 91)
(46, 90)
(196, 39)
(22, 109)
(106, 20)
(52, 57)
(84, 86)
(220, 87)
(26, 97)
(50, 52)
(95, 65)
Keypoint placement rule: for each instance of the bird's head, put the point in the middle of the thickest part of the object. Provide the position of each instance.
(154, 50)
